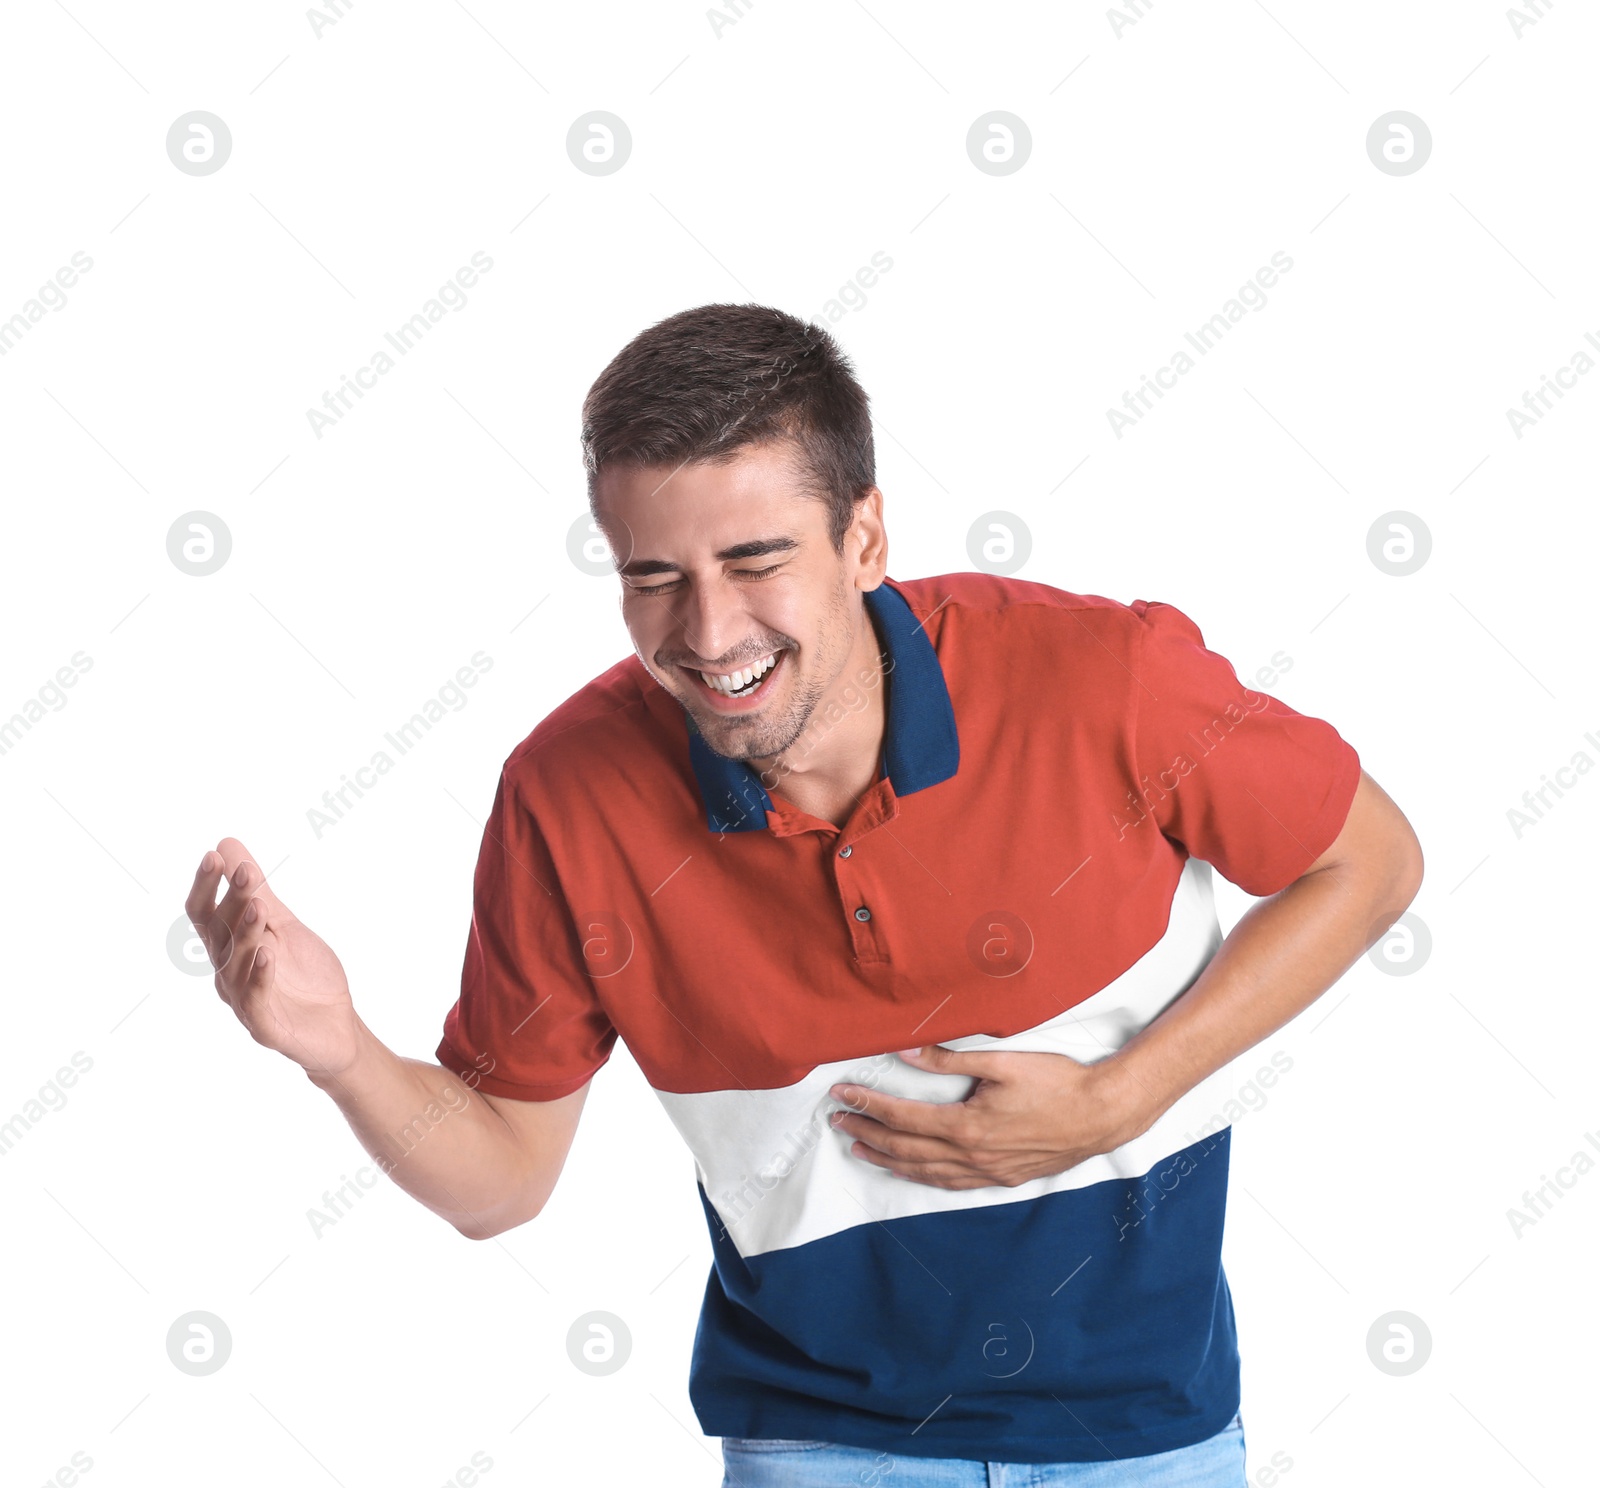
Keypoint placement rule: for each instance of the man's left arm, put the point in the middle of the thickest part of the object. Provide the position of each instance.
(1033, 1115)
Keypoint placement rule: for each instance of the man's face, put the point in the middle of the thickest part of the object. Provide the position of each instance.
(728, 567)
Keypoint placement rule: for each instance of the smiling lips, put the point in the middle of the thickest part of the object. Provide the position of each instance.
(731, 682)
(738, 686)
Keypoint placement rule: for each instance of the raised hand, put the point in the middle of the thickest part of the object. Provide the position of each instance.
(281, 980)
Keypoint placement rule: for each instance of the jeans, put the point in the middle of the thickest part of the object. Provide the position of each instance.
(1217, 1462)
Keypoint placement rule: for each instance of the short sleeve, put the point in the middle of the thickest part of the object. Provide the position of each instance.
(1239, 778)
(527, 1024)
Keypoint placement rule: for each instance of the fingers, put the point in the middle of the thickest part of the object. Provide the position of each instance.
(983, 1064)
(890, 1148)
(211, 924)
(262, 965)
(202, 900)
(940, 1172)
(248, 935)
(220, 925)
(244, 878)
(928, 1118)
(248, 966)
(943, 1170)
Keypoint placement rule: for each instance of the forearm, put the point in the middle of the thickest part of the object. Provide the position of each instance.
(1283, 954)
(439, 1140)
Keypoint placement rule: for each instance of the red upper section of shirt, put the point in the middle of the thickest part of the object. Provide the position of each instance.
(1099, 745)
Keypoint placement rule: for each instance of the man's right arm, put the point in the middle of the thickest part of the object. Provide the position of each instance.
(484, 1163)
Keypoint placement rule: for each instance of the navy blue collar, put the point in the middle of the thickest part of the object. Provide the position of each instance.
(920, 747)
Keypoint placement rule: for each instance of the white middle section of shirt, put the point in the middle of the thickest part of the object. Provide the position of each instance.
(778, 1175)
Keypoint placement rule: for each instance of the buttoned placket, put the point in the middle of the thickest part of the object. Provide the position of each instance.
(851, 855)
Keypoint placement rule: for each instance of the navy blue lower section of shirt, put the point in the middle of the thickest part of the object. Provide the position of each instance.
(1083, 1326)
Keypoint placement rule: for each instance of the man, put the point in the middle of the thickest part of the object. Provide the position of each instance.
(899, 892)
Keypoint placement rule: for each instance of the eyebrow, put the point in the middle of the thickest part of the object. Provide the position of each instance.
(756, 548)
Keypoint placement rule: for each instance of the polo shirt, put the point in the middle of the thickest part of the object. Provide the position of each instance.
(1032, 869)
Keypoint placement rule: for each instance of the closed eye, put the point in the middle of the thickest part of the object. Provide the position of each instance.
(744, 573)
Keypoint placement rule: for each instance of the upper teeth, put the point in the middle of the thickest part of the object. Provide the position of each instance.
(732, 681)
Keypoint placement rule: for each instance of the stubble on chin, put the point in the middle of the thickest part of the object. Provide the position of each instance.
(733, 738)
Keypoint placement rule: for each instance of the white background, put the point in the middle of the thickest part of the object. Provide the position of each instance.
(769, 163)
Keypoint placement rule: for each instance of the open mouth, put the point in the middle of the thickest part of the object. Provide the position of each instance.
(743, 686)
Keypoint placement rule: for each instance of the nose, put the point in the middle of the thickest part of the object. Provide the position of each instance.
(712, 617)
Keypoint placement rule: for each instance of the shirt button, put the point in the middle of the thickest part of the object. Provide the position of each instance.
(844, 852)
(863, 913)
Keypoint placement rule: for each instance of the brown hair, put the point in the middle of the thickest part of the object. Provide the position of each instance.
(705, 383)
